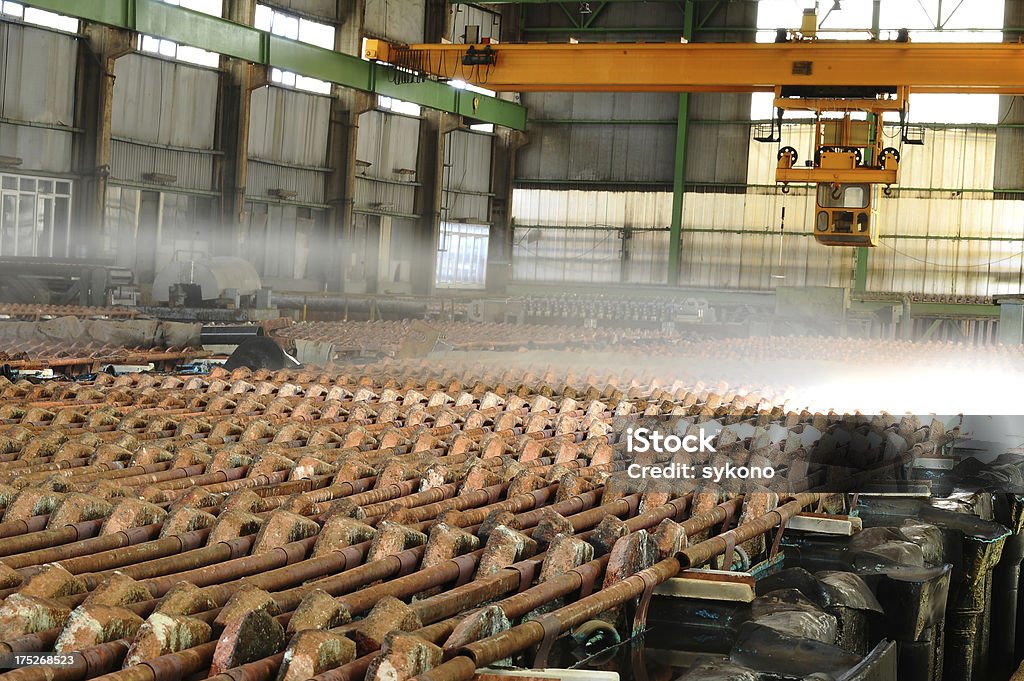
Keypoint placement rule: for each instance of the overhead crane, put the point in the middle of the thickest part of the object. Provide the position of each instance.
(849, 86)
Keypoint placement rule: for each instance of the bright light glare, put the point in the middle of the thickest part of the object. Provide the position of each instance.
(978, 21)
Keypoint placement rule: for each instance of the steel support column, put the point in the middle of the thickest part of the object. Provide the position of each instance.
(232, 138)
(860, 270)
(1009, 168)
(98, 51)
(434, 127)
(342, 137)
(679, 171)
(505, 150)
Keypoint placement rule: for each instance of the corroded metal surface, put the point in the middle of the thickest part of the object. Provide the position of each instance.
(351, 521)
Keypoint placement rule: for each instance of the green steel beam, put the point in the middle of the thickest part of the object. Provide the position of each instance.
(860, 272)
(214, 34)
(603, 121)
(675, 240)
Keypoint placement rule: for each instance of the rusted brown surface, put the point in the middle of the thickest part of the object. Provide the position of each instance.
(292, 520)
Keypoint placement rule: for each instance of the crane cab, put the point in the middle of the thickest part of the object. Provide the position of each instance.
(844, 214)
(849, 163)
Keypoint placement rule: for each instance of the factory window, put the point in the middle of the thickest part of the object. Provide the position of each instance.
(169, 48)
(462, 256)
(843, 196)
(39, 17)
(35, 216)
(300, 29)
(398, 106)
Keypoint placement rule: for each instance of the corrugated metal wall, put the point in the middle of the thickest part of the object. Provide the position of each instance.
(163, 122)
(37, 77)
(463, 15)
(289, 127)
(287, 151)
(388, 143)
(578, 235)
(288, 144)
(467, 177)
(318, 8)
(400, 20)
(952, 238)
(599, 152)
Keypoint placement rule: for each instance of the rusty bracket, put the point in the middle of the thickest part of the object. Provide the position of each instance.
(730, 514)
(640, 616)
(778, 538)
(526, 569)
(587, 579)
(552, 630)
(730, 547)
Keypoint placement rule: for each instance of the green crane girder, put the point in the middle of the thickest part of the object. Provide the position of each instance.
(231, 39)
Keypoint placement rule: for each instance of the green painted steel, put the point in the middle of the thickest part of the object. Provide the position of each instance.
(215, 34)
(860, 272)
(675, 240)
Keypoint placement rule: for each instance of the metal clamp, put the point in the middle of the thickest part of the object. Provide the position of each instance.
(552, 630)
(526, 569)
(778, 538)
(587, 579)
(640, 616)
(730, 547)
(730, 513)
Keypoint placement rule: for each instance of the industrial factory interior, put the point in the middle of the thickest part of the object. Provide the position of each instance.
(527, 340)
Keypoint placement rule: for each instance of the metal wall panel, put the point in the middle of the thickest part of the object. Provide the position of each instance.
(603, 152)
(467, 177)
(289, 126)
(966, 245)
(265, 177)
(388, 143)
(563, 255)
(546, 251)
(616, 16)
(374, 196)
(470, 156)
(37, 77)
(325, 9)
(131, 162)
(39, 149)
(37, 74)
(612, 210)
(648, 258)
(463, 15)
(164, 102)
(717, 151)
(399, 20)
